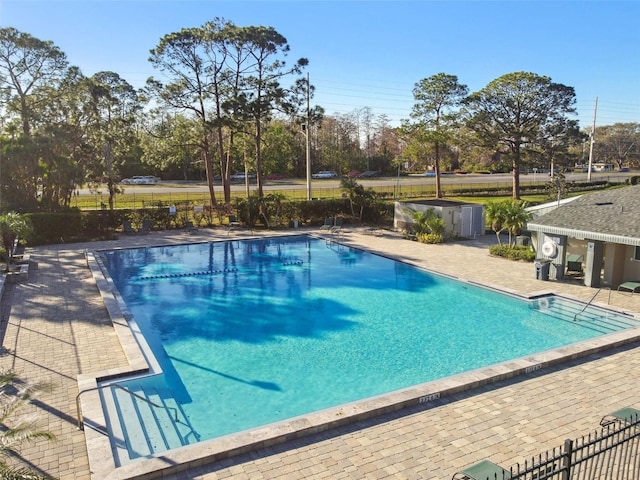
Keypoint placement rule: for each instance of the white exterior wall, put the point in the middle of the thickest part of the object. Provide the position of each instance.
(467, 225)
(631, 266)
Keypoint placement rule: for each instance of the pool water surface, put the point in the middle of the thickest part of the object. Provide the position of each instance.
(251, 332)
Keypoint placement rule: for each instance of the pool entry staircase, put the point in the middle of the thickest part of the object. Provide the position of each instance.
(588, 316)
(145, 419)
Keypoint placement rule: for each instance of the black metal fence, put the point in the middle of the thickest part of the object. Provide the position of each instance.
(611, 453)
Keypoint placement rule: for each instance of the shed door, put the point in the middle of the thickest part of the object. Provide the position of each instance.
(466, 227)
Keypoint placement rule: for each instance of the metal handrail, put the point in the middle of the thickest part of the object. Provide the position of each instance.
(100, 387)
(589, 302)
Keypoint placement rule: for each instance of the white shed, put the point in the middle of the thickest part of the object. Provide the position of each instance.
(460, 219)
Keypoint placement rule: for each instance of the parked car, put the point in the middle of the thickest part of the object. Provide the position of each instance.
(625, 169)
(239, 177)
(325, 174)
(370, 174)
(149, 180)
(140, 180)
(132, 181)
(274, 176)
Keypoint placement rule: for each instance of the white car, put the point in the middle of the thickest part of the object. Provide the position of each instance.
(149, 180)
(130, 181)
(240, 176)
(325, 174)
(140, 180)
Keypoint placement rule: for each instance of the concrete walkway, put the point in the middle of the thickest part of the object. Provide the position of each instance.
(55, 327)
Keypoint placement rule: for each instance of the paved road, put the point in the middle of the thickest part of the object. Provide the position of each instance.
(297, 184)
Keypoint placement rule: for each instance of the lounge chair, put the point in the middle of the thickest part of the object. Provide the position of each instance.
(624, 416)
(328, 224)
(629, 287)
(127, 228)
(574, 264)
(233, 223)
(373, 231)
(337, 225)
(484, 470)
(146, 226)
(190, 227)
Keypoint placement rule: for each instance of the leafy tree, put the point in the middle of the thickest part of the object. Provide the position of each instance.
(618, 143)
(27, 65)
(34, 80)
(556, 141)
(557, 187)
(114, 104)
(15, 429)
(266, 50)
(337, 144)
(20, 162)
(436, 100)
(280, 148)
(193, 62)
(64, 124)
(385, 145)
(170, 146)
(513, 110)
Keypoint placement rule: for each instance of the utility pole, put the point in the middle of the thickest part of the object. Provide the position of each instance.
(308, 139)
(593, 140)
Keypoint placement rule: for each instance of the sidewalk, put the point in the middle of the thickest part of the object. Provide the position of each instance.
(55, 327)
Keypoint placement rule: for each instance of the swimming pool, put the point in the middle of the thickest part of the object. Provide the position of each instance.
(253, 332)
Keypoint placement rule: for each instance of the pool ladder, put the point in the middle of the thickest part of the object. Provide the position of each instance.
(133, 394)
(589, 302)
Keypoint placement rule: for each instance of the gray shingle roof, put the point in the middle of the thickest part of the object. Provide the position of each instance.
(611, 216)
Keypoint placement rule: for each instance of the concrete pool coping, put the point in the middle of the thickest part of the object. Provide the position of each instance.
(181, 459)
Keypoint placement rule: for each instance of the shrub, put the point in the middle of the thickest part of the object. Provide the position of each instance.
(430, 238)
(516, 253)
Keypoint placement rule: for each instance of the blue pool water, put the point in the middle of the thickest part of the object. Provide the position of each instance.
(256, 331)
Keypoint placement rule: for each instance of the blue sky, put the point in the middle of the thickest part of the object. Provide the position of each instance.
(371, 53)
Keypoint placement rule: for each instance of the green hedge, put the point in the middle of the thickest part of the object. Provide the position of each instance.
(77, 225)
(517, 253)
(72, 226)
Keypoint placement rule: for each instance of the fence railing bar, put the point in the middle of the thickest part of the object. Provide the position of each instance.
(566, 459)
(636, 455)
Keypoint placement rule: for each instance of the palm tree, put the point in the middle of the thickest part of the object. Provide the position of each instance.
(429, 226)
(516, 218)
(495, 214)
(16, 429)
(356, 194)
(276, 198)
(350, 187)
(12, 226)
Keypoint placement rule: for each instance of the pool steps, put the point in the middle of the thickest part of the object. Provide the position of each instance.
(600, 320)
(155, 429)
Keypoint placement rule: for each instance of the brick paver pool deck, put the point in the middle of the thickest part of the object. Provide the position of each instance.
(55, 327)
